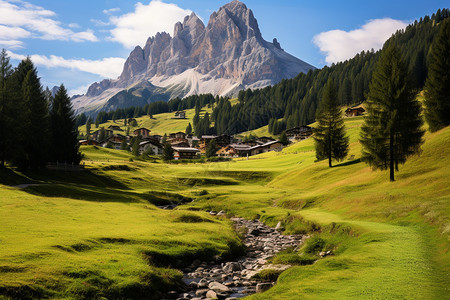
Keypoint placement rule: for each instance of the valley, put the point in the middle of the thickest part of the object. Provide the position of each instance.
(103, 233)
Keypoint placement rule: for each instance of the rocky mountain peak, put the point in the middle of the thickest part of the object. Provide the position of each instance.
(227, 55)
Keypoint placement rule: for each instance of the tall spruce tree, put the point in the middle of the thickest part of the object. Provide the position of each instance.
(65, 147)
(167, 152)
(6, 106)
(189, 129)
(329, 136)
(392, 128)
(437, 86)
(35, 129)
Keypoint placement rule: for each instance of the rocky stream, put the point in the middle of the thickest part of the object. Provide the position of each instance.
(234, 279)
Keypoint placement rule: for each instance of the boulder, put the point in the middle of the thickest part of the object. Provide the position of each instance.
(218, 287)
(262, 287)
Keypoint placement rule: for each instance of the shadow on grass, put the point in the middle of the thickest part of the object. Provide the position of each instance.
(11, 177)
(348, 163)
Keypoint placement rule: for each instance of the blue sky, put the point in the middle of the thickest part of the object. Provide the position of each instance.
(79, 42)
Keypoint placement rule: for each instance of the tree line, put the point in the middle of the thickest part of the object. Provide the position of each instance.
(294, 102)
(35, 128)
(393, 126)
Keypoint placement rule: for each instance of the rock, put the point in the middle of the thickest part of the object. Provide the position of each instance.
(231, 267)
(184, 296)
(172, 294)
(279, 226)
(218, 287)
(201, 292)
(325, 253)
(202, 283)
(230, 49)
(261, 287)
(221, 213)
(211, 294)
(213, 213)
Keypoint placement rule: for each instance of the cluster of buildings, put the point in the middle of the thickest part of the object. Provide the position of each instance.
(188, 146)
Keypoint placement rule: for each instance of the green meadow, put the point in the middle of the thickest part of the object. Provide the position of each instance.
(98, 233)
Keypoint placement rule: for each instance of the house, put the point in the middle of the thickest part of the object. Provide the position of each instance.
(89, 142)
(96, 134)
(118, 138)
(113, 144)
(143, 132)
(177, 135)
(180, 115)
(185, 153)
(156, 137)
(299, 133)
(221, 140)
(354, 111)
(240, 150)
(267, 147)
(182, 143)
(154, 145)
(265, 139)
(115, 127)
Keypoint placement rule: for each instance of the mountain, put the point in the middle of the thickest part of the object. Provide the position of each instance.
(226, 56)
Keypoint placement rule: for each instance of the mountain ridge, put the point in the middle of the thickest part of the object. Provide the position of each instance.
(227, 55)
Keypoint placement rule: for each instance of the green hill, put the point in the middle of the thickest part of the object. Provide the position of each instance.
(92, 234)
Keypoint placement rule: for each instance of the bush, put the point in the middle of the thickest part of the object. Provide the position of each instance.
(267, 275)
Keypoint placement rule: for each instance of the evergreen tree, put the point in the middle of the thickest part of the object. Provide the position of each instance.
(189, 129)
(6, 107)
(65, 147)
(135, 146)
(123, 145)
(284, 139)
(211, 149)
(36, 129)
(168, 152)
(164, 139)
(392, 127)
(437, 86)
(88, 128)
(101, 135)
(330, 140)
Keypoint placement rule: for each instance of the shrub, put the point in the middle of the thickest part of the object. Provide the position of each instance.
(314, 244)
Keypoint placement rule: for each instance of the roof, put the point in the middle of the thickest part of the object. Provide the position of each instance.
(240, 147)
(184, 149)
(153, 142)
(265, 145)
(355, 108)
(209, 136)
(141, 129)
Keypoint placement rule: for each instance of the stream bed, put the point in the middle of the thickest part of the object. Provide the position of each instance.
(233, 279)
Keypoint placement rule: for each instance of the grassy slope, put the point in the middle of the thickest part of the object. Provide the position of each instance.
(159, 124)
(393, 241)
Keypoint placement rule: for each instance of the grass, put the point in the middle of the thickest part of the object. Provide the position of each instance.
(159, 124)
(98, 233)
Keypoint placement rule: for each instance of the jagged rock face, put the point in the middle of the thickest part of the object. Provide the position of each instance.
(229, 51)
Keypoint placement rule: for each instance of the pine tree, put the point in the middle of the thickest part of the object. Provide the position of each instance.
(330, 140)
(392, 127)
(88, 128)
(36, 129)
(284, 139)
(437, 86)
(65, 147)
(189, 129)
(6, 106)
(211, 149)
(168, 152)
(135, 146)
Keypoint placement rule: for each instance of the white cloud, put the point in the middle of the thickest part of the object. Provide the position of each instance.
(109, 67)
(99, 22)
(11, 44)
(74, 25)
(111, 10)
(79, 90)
(339, 45)
(38, 22)
(134, 28)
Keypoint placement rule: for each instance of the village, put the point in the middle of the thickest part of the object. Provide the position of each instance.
(189, 146)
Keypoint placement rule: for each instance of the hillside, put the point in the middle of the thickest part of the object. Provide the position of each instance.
(389, 239)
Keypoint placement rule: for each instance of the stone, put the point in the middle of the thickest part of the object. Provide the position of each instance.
(218, 287)
(211, 294)
(262, 287)
(231, 267)
(221, 213)
(201, 292)
(279, 226)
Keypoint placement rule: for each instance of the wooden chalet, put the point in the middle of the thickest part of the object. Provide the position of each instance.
(265, 139)
(267, 147)
(299, 133)
(96, 134)
(354, 111)
(180, 115)
(89, 142)
(143, 132)
(152, 144)
(185, 153)
(177, 135)
(182, 143)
